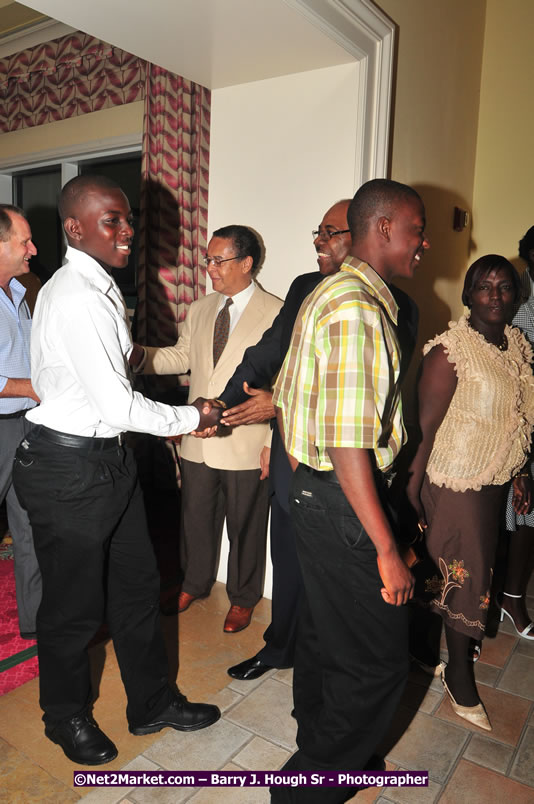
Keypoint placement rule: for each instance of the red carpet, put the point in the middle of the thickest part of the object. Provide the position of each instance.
(18, 657)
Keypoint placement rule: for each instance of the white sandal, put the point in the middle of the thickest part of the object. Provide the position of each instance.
(524, 634)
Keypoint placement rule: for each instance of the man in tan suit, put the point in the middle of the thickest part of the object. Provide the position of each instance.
(221, 477)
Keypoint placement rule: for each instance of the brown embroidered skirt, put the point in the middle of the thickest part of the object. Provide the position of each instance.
(461, 539)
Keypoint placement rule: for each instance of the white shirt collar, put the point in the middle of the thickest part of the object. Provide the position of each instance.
(240, 300)
(90, 268)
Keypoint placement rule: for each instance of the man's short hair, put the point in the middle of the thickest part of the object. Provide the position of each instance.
(526, 244)
(482, 268)
(6, 221)
(75, 190)
(246, 242)
(374, 199)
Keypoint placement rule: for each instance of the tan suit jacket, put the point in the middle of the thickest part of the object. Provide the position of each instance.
(193, 351)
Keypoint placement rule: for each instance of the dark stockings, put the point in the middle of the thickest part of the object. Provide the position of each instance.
(459, 674)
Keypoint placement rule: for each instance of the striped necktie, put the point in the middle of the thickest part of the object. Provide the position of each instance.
(220, 333)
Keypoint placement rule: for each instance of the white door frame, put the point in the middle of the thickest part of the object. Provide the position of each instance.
(369, 35)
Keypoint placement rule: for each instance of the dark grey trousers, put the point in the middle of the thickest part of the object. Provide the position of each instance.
(27, 575)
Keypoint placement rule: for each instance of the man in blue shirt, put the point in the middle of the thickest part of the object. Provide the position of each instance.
(16, 397)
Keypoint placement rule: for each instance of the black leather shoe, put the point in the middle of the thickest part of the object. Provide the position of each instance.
(182, 716)
(82, 741)
(249, 669)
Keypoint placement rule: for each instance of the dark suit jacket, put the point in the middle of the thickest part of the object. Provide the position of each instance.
(261, 363)
(264, 360)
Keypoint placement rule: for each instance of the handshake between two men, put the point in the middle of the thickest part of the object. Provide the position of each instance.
(213, 412)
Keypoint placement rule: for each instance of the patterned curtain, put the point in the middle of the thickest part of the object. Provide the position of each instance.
(77, 74)
(66, 77)
(174, 203)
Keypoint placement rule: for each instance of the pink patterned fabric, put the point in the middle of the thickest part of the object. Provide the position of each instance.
(66, 77)
(77, 74)
(174, 203)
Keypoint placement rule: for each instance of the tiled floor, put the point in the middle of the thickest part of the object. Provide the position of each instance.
(256, 731)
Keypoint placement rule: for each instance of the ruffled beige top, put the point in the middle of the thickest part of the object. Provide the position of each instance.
(485, 436)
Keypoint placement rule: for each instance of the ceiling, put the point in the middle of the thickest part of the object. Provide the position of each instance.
(15, 17)
(216, 43)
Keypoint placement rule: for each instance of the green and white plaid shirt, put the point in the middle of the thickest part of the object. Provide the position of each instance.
(338, 386)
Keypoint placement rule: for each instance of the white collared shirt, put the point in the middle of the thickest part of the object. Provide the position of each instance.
(79, 359)
(240, 301)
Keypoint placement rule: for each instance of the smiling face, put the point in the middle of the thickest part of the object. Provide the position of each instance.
(232, 274)
(17, 250)
(492, 300)
(407, 239)
(101, 226)
(331, 251)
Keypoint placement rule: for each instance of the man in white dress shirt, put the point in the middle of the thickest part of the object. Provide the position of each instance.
(78, 482)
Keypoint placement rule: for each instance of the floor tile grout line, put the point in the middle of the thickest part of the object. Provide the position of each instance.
(517, 746)
(459, 756)
(256, 734)
(230, 759)
(241, 695)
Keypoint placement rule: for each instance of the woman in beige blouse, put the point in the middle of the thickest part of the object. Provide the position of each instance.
(476, 412)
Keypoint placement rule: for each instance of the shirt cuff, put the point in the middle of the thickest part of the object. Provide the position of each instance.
(140, 366)
(195, 417)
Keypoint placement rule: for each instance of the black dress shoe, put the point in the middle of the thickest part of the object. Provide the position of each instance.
(249, 669)
(82, 741)
(182, 716)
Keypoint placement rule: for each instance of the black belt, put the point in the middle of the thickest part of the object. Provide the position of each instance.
(75, 441)
(329, 476)
(16, 415)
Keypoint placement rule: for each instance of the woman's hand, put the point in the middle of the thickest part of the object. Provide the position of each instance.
(415, 502)
(436, 388)
(522, 494)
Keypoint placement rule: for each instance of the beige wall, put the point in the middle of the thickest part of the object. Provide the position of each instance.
(281, 152)
(440, 47)
(503, 207)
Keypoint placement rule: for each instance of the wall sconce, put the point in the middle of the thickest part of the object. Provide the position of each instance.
(460, 219)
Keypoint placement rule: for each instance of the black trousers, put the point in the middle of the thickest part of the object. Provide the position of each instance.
(92, 544)
(280, 636)
(351, 660)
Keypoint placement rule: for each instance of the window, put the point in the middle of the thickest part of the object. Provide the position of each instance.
(36, 192)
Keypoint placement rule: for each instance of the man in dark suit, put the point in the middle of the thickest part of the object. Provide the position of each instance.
(260, 364)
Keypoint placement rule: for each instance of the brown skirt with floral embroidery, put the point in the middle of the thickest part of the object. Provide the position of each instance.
(461, 539)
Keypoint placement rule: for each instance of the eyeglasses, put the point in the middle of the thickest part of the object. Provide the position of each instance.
(327, 234)
(217, 260)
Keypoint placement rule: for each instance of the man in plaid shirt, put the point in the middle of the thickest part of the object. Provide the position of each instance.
(340, 410)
